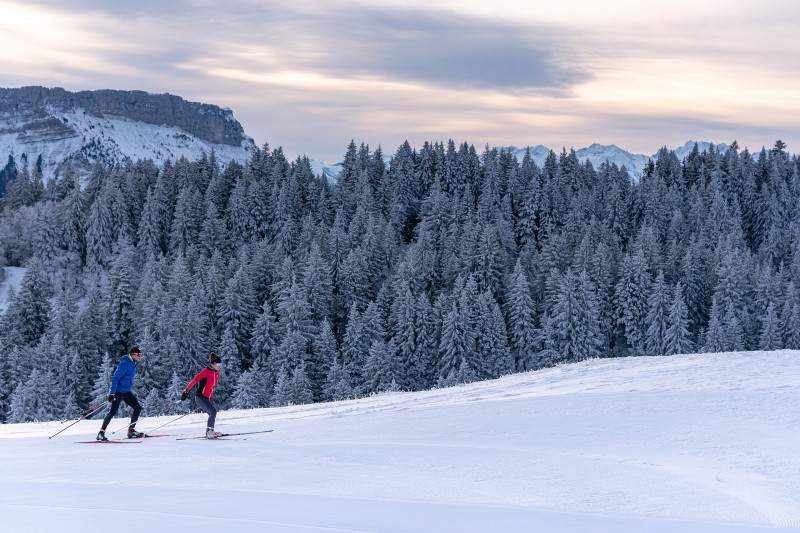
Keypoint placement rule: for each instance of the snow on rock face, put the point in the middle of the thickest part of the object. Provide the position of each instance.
(111, 126)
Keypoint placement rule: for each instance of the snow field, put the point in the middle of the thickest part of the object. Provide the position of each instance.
(697, 443)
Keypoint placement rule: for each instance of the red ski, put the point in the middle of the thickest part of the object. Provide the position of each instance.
(108, 442)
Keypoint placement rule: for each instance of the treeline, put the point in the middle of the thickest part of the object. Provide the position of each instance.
(448, 266)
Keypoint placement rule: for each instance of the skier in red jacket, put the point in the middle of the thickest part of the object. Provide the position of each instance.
(207, 379)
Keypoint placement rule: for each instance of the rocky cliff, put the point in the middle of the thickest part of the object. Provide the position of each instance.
(81, 127)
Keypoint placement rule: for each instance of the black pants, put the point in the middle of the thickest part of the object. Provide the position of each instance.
(131, 400)
(207, 405)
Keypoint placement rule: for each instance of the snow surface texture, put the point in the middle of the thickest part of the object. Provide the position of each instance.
(689, 443)
(115, 138)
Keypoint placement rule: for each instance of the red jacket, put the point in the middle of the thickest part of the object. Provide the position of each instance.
(208, 379)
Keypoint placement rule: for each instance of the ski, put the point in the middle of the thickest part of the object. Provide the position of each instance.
(107, 442)
(153, 436)
(206, 438)
(246, 433)
(228, 435)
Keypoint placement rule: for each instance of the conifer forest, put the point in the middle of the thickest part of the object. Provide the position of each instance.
(447, 265)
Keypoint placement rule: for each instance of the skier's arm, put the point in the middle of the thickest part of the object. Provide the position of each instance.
(121, 371)
(195, 379)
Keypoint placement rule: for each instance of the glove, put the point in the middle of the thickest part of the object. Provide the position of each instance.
(185, 394)
(112, 397)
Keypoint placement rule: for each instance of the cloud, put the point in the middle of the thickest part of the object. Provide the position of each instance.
(444, 50)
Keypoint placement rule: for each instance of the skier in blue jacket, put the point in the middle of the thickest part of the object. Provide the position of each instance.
(120, 391)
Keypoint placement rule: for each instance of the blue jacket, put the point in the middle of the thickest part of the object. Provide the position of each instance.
(123, 377)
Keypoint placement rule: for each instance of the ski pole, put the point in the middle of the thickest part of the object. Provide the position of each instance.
(159, 412)
(175, 420)
(87, 410)
(92, 411)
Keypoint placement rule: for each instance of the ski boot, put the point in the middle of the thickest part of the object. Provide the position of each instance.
(211, 434)
(133, 434)
(101, 435)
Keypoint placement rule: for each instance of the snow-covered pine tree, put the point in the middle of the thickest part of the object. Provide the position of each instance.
(574, 319)
(770, 338)
(323, 355)
(520, 317)
(153, 404)
(337, 384)
(657, 319)
(633, 289)
(678, 337)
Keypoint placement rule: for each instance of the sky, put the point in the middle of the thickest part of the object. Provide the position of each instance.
(312, 76)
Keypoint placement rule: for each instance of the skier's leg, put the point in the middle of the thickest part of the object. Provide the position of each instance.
(208, 406)
(112, 411)
(131, 400)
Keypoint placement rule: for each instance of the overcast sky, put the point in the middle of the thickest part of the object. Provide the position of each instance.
(313, 75)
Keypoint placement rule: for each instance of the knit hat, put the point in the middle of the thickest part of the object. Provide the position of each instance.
(214, 358)
(134, 349)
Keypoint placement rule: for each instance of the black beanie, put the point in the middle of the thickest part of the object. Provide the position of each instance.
(214, 358)
(134, 349)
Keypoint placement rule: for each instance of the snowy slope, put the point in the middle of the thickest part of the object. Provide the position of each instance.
(86, 137)
(694, 443)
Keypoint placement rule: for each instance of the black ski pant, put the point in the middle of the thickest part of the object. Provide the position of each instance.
(207, 405)
(128, 398)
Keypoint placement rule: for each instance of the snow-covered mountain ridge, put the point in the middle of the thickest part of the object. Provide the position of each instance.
(62, 126)
(597, 154)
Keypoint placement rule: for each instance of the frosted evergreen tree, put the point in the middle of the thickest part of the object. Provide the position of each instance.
(427, 324)
(658, 318)
(337, 385)
(456, 343)
(791, 332)
(92, 329)
(355, 345)
(186, 223)
(294, 313)
(678, 337)
(28, 311)
(317, 283)
(237, 314)
(24, 400)
(405, 337)
(324, 353)
(291, 352)
(246, 395)
(263, 341)
(152, 226)
(300, 386)
(174, 392)
(102, 383)
(520, 314)
(382, 368)
(71, 409)
(631, 295)
(282, 394)
(153, 404)
(715, 338)
(353, 281)
(732, 328)
(574, 319)
(119, 293)
(500, 359)
(99, 231)
(770, 338)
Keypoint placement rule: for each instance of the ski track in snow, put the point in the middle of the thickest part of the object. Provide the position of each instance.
(689, 443)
